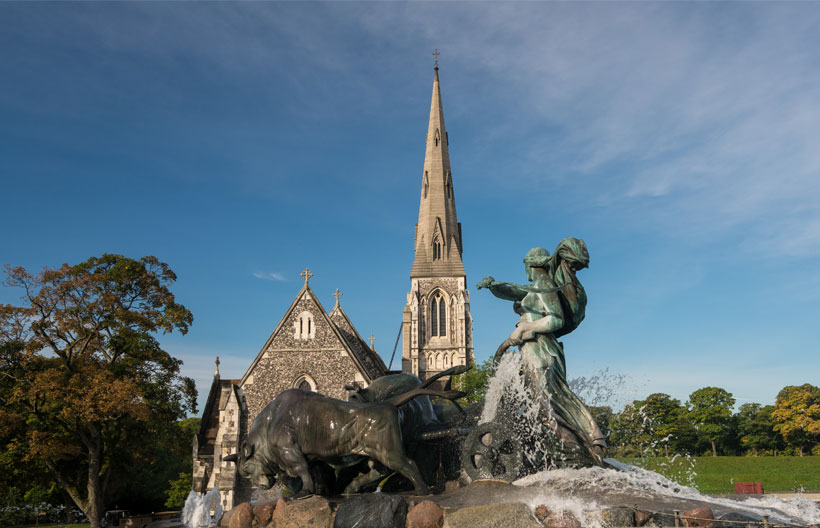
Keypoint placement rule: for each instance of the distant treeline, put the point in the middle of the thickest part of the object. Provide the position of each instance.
(705, 424)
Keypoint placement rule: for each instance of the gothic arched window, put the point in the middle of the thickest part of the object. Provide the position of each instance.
(305, 382)
(442, 318)
(436, 248)
(438, 316)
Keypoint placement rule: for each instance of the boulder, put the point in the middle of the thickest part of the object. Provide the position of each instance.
(561, 519)
(426, 514)
(698, 517)
(662, 518)
(263, 513)
(371, 510)
(225, 519)
(312, 512)
(617, 517)
(241, 516)
(541, 512)
(279, 510)
(509, 515)
(642, 517)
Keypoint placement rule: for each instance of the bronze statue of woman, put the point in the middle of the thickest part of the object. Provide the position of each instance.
(552, 306)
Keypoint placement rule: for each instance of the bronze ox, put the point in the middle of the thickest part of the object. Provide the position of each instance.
(300, 426)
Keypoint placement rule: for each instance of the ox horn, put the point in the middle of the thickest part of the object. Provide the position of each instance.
(231, 458)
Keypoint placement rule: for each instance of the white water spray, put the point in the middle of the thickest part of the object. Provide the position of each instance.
(586, 491)
(197, 510)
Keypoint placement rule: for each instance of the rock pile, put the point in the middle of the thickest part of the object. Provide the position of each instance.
(377, 510)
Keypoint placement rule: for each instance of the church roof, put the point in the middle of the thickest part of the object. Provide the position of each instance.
(367, 361)
(368, 357)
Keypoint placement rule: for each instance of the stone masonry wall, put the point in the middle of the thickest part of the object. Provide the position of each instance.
(288, 357)
(331, 369)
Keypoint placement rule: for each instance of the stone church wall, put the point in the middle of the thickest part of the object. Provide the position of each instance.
(277, 371)
(294, 352)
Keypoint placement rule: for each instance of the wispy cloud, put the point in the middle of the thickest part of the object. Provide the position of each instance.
(269, 275)
(700, 119)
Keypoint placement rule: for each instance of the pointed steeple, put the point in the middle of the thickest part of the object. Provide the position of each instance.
(438, 233)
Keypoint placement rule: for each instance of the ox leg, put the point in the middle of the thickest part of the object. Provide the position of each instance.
(392, 455)
(410, 471)
(364, 480)
(298, 465)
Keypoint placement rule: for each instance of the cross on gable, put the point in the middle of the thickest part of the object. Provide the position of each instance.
(372, 340)
(306, 275)
(337, 294)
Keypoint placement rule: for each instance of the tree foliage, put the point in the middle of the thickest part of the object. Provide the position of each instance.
(797, 415)
(475, 381)
(82, 370)
(756, 428)
(710, 410)
(179, 490)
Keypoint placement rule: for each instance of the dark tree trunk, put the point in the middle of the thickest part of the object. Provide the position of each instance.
(95, 491)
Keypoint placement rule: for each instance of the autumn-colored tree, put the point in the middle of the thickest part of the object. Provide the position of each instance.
(82, 369)
(710, 410)
(797, 415)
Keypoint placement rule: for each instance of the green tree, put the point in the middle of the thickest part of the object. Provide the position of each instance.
(154, 455)
(604, 417)
(662, 413)
(475, 381)
(710, 410)
(630, 432)
(647, 426)
(797, 415)
(756, 427)
(179, 490)
(82, 368)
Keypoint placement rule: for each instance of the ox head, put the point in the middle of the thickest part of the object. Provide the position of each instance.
(252, 467)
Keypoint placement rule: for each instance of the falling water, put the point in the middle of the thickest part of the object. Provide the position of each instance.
(586, 490)
(197, 510)
(526, 410)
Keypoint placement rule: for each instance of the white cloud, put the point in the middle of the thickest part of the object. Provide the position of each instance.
(712, 108)
(269, 275)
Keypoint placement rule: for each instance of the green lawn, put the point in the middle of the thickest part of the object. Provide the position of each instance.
(718, 474)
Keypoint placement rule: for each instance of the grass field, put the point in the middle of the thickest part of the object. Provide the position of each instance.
(718, 474)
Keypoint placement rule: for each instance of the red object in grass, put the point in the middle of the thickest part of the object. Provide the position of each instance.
(748, 488)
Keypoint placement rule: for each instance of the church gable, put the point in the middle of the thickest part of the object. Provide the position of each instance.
(306, 347)
(305, 326)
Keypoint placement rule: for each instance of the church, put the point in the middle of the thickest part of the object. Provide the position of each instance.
(312, 349)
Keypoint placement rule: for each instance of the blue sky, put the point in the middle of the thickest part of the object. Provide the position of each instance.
(242, 142)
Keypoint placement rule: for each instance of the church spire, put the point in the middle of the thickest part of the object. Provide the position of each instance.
(438, 233)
